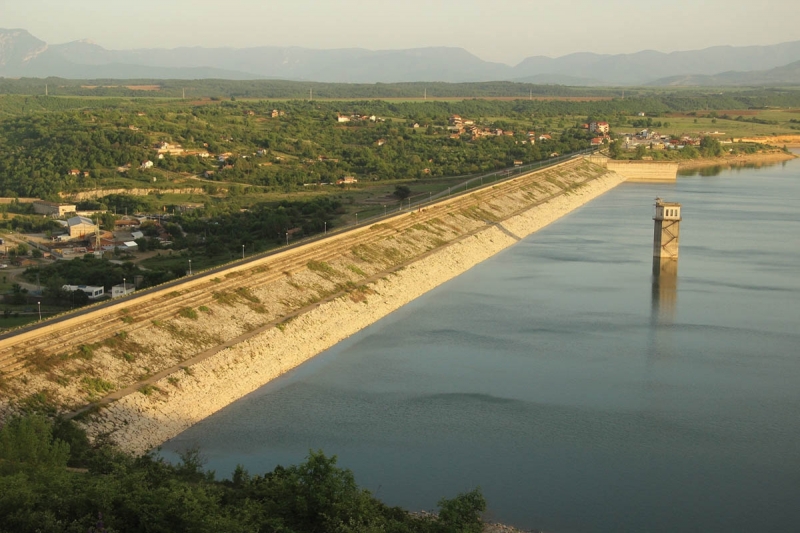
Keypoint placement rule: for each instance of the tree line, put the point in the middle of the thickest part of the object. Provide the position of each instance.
(107, 491)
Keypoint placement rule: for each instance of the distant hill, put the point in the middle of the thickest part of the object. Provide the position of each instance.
(22, 54)
(780, 76)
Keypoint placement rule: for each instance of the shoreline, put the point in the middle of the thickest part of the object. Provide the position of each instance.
(140, 422)
(732, 161)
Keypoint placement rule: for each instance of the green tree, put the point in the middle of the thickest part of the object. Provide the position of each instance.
(710, 147)
(28, 442)
(462, 514)
(615, 149)
(402, 191)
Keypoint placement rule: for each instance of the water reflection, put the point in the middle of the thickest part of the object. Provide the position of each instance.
(716, 170)
(665, 290)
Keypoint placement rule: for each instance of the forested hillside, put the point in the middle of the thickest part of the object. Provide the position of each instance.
(42, 138)
(303, 143)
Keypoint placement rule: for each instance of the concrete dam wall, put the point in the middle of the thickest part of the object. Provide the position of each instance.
(644, 170)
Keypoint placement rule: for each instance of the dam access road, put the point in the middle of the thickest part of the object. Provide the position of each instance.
(153, 366)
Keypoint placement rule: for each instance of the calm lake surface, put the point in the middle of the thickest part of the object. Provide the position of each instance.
(559, 379)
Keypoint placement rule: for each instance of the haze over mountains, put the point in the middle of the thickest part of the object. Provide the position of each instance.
(23, 55)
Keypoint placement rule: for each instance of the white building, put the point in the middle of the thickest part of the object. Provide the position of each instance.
(118, 291)
(92, 291)
(42, 207)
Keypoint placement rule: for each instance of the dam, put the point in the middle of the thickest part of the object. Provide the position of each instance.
(639, 171)
(177, 355)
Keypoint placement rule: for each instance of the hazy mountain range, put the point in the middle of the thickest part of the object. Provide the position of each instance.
(23, 55)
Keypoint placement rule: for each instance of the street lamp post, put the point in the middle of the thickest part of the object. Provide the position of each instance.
(356, 219)
(243, 251)
(326, 227)
(39, 304)
(287, 238)
(124, 287)
(190, 267)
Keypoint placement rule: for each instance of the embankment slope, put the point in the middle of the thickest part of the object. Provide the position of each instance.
(189, 353)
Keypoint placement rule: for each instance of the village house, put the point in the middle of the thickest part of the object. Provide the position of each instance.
(342, 118)
(81, 227)
(597, 141)
(545, 137)
(601, 127)
(74, 172)
(347, 180)
(146, 165)
(380, 142)
(167, 148)
(41, 207)
(126, 223)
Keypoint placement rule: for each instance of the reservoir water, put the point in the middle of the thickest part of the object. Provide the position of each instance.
(559, 379)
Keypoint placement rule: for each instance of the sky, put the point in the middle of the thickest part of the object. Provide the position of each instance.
(505, 31)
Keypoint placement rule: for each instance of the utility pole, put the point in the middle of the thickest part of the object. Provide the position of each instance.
(184, 93)
(46, 90)
(310, 95)
(426, 94)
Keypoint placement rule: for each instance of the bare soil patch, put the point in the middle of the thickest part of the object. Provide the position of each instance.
(143, 87)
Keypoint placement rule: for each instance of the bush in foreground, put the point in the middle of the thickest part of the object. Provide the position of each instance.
(109, 491)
